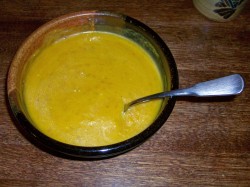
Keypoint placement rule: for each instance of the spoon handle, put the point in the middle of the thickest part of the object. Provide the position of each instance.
(224, 86)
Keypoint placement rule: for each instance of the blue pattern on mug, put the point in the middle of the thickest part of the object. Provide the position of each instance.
(227, 7)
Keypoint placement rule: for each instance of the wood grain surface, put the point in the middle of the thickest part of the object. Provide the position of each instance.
(204, 142)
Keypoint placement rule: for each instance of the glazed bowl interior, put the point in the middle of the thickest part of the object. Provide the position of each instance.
(68, 25)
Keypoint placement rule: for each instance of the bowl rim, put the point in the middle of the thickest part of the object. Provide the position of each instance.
(81, 152)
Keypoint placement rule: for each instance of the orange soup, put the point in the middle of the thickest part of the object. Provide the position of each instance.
(75, 89)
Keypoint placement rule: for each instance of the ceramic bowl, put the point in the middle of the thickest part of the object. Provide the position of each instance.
(82, 22)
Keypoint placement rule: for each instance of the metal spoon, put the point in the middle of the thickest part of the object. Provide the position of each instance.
(224, 86)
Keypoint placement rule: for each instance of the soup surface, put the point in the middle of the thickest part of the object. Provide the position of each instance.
(75, 89)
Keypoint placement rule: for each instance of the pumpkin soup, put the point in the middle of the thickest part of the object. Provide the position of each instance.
(75, 89)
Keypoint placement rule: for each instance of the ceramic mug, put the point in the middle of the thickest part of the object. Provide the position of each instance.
(220, 10)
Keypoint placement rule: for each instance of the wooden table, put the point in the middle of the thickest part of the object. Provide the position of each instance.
(204, 142)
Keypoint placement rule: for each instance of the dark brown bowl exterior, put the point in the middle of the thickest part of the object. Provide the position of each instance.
(80, 22)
